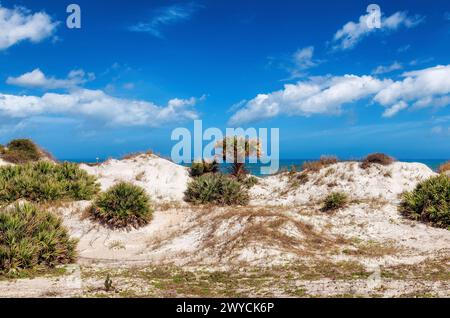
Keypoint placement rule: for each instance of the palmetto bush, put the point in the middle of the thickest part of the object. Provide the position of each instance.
(31, 238)
(429, 202)
(217, 189)
(199, 168)
(123, 205)
(46, 181)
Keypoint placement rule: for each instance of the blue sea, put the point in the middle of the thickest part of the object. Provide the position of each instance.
(287, 164)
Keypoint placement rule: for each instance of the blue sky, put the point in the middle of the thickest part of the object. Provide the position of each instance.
(136, 70)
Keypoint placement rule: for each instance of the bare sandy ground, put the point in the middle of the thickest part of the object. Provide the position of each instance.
(366, 249)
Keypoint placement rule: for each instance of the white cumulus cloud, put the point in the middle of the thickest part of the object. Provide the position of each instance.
(37, 79)
(428, 87)
(97, 105)
(19, 24)
(317, 96)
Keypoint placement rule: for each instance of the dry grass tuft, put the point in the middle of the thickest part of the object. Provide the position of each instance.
(376, 158)
(445, 167)
(256, 227)
(134, 155)
(316, 166)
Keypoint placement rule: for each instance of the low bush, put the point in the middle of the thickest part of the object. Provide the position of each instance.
(328, 160)
(123, 205)
(317, 165)
(46, 181)
(199, 168)
(429, 202)
(445, 167)
(377, 158)
(335, 201)
(21, 151)
(249, 182)
(217, 189)
(31, 238)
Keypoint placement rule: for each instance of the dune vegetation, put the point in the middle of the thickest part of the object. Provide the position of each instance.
(45, 181)
(123, 205)
(31, 238)
(429, 202)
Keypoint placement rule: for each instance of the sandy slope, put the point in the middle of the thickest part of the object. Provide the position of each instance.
(162, 179)
(376, 182)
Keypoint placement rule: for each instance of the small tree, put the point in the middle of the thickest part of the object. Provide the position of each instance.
(236, 149)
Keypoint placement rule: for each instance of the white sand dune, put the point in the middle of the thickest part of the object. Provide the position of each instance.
(161, 178)
(375, 182)
(222, 236)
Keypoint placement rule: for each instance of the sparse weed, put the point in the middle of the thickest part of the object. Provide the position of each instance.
(335, 201)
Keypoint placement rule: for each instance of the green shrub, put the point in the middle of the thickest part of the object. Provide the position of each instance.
(379, 158)
(123, 205)
(2, 149)
(249, 182)
(218, 189)
(429, 202)
(335, 201)
(46, 181)
(21, 151)
(31, 238)
(199, 168)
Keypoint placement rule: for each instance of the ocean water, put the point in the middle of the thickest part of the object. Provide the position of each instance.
(286, 164)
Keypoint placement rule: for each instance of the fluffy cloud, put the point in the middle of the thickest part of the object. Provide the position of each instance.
(317, 96)
(19, 24)
(429, 87)
(387, 69)
(37, 79)
(98, 105)
(422, 88)
(353, 32)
